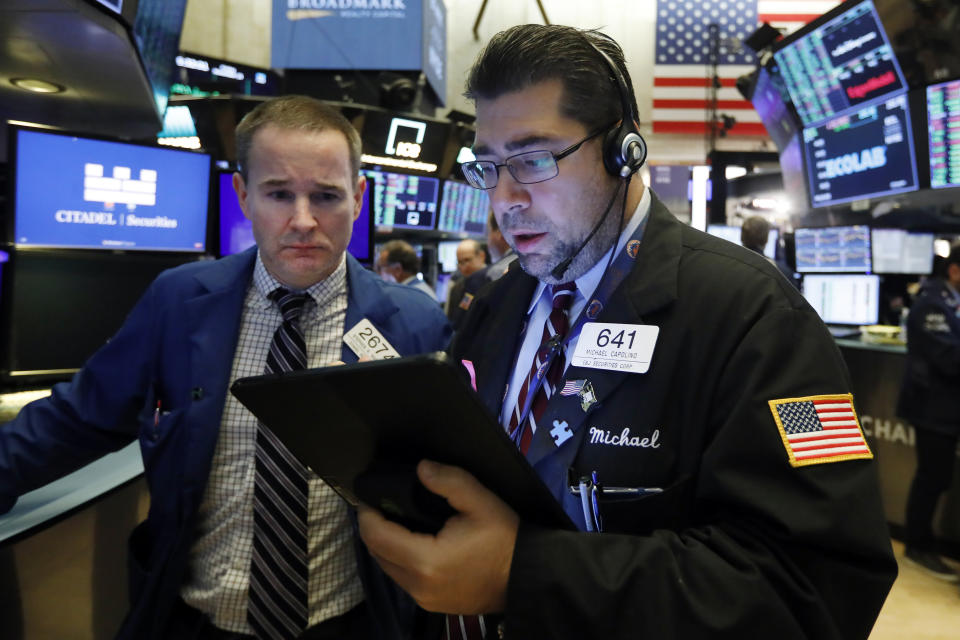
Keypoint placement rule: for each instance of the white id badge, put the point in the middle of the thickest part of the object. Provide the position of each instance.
(366, 341)
(616, 347)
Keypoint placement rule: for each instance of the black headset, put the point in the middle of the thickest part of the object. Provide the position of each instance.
(624, 149)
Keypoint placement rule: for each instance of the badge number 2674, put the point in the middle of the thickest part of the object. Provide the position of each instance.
(366, 341)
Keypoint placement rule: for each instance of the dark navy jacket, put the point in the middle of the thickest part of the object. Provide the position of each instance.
(177, 347)
(740, 543)
(930, 394)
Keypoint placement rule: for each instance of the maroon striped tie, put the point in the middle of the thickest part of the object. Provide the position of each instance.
(554, 329)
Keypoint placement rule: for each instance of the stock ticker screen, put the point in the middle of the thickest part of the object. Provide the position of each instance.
(833, 249)
(863, 153)
(943, 130)
(843, 63)
(463, 209)
(402, 200)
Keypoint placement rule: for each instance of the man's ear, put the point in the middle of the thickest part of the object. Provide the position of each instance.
(240, 186)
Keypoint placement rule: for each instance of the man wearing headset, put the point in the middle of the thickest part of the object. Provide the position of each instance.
(702, 419)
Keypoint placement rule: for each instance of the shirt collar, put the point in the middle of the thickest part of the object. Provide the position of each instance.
(587, 283)
(321, 292)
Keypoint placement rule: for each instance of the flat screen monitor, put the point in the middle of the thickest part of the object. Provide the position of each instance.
(775, 114)
(463, 209)
(901, 251)
(840, 63)
(844, 299)
(861, 154)
(58, 307)
(402, 201)
(236, 231)
(84, 193)
(943, 130)
(833, 249)
(447, 255)
(732, 234)
(403, 141)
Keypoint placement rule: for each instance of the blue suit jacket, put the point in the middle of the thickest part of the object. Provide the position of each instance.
(176, 347)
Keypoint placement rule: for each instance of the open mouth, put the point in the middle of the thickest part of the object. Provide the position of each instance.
(526, 241)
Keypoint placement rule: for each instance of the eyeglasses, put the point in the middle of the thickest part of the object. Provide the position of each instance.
(526, 168)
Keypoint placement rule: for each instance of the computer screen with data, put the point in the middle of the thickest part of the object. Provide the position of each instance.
(901, 251)
(844, 299)
(863, 153)
(943, 130)
(463, 209)
(845, 62)
(403, 201)
(833, 249)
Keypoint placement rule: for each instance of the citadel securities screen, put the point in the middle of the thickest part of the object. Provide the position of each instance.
(73, 192)
(865, 153)
(842, 63)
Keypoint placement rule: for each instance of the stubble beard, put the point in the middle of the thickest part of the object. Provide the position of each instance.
(542, 266)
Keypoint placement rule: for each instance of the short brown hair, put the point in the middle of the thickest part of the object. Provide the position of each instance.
(295, 112)
(754, 233)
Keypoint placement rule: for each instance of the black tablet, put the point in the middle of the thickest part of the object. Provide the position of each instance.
(363, 427)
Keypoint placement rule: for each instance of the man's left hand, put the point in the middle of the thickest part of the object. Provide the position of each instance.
(464, 568)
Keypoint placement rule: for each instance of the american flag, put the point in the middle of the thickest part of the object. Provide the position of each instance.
(572, 387)
(820, 429)
(682, 56)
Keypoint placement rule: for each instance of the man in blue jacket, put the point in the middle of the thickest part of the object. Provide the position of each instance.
(164, 379)
(929, 399)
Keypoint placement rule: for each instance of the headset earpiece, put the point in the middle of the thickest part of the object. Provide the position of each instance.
(624, 149)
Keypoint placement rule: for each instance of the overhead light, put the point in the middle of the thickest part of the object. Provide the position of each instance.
(36, 85)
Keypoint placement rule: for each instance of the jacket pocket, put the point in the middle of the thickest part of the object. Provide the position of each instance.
(641, 514)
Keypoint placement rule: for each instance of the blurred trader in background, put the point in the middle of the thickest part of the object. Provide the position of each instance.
(726, 511)
(930, 401)
(398, 262)
(502, 255)
(164, 379)
(471, 257)
(754, 235)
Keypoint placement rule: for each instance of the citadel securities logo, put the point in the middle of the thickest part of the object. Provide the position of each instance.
(306, 9)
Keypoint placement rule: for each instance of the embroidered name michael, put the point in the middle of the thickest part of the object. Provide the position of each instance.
(624, 439)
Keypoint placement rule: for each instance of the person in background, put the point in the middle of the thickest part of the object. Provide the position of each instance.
(471, 257)
(502, 255)
(398, 262)
(678, 425)
(754, 235)
(930, 400)
(207, 561)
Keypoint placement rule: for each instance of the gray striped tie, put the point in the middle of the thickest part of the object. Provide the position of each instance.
(277, 608)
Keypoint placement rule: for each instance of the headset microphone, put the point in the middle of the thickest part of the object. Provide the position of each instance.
(624, 152)
(561, 268)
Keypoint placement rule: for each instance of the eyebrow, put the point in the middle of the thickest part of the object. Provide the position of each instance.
(522, 143)
(273, 183)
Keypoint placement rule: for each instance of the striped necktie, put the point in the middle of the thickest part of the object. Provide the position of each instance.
(277, 607)
(555, 328)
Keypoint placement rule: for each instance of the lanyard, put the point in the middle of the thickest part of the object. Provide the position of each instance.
(612, 276)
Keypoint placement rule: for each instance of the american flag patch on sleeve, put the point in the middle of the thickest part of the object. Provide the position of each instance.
(819, 429)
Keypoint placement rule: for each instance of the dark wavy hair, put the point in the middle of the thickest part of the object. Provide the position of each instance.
(532, 53)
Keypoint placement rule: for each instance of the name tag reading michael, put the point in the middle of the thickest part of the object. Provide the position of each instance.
(366, 341)
(617, 347)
